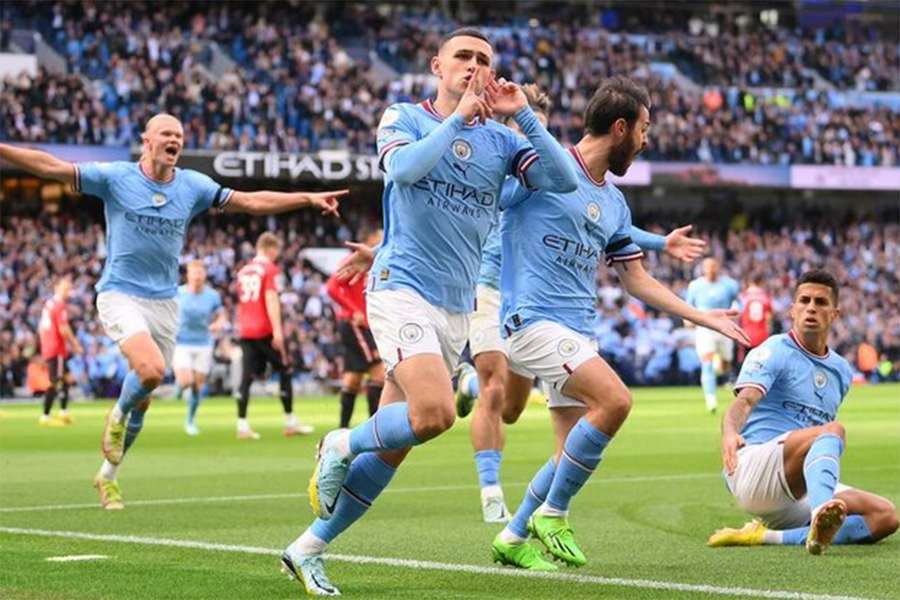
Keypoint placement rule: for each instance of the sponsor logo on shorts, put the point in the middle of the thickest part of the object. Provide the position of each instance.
(462, 150)
(820, 379)
(567, 347)
(411, 333)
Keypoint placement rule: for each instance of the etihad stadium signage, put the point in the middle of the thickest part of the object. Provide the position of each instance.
(333, 165)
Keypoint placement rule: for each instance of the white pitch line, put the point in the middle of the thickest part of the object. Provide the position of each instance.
(669, 586)
(76, 557)
(285, 496)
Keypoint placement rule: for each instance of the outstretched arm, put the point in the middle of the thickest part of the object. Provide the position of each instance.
(38, 162)
(640, 284)
(271, 203)
(677, 243)
(733, 423)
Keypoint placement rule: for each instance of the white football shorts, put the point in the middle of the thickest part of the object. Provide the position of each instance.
(760, 487)
(708, 341)
(123, 316)
(194, 358)
(551, 352)
(484, 328)
(404, 324)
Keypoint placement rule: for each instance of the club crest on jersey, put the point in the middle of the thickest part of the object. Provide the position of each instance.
(411, 333)
(820, 379)
(567, 347)
(593, 211)
(158, 199)
(462, 150)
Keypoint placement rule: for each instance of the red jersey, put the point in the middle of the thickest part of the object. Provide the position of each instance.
(349, 298)
(53, 317)
(253, 281)
(755, 315)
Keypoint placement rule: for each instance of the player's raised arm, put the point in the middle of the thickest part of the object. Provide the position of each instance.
(38, 162)
(547, 165)
(642, 285)
(271, 203)
(407, 159)
(677, 243)
(733, 422)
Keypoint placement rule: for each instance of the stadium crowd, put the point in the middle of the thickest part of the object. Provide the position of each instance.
(644, 346)
(296, 88)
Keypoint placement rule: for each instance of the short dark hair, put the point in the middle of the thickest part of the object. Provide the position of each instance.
(617, 98)
(464, 32)
(822, 278)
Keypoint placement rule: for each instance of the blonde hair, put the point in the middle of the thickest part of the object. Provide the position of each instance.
(267, 240)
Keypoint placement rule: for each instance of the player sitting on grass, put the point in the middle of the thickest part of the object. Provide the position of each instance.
(781, 444)
(552, 243)
(148, 207)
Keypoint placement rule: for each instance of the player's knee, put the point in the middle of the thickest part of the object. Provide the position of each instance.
(490, 398)
(835, 428)
(886, 518)
(619, 404)
(432, 423)
(151, 373)
(143, 405)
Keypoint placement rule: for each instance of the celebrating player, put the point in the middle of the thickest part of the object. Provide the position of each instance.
(148, 206)
(360, 353)
(262, 335)
(782, 444)
(445, 162)
(57, 340)
(712, 291)
(551, 245)
(502, 393)
(199, 314)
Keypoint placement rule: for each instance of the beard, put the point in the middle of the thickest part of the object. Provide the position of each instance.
(620, 156)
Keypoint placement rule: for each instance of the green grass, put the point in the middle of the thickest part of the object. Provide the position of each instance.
(646, 515)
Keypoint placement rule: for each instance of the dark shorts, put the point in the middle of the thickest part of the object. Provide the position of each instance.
(57, 369)
(256, 354)
(360, 352)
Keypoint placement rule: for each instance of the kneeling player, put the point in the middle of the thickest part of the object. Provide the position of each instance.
(781, 444)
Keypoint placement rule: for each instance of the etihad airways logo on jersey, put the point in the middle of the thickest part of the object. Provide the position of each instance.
(567, 246)
(807, 414)
(153, 225)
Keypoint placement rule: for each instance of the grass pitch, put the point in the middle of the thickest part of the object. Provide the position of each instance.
(206, 517)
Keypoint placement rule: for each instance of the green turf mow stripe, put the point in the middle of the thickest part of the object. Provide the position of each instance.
(439, 566)
(251, 497)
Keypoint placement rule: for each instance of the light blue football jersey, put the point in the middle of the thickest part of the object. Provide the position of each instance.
(195, 313)
(489, 274)
(551, 246)
(146, 223)
(436, 227)
(800, 389)
(703, 294)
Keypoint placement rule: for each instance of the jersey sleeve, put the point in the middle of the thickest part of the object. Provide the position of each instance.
(93, 178)
(216, 301)
(512, 193)
(621, 247)
(760, 369)
(272, 280)
(395, 129)
(209, 193)
(522, 156)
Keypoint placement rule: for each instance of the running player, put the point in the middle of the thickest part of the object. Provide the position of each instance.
(712, 290)
(782, 444)
(756, 312)
(506, 392)
(259, 283)
(445, 162)
(551, 246)
(57, 343)
(148, 206)
(200, 313)
(360, 353)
